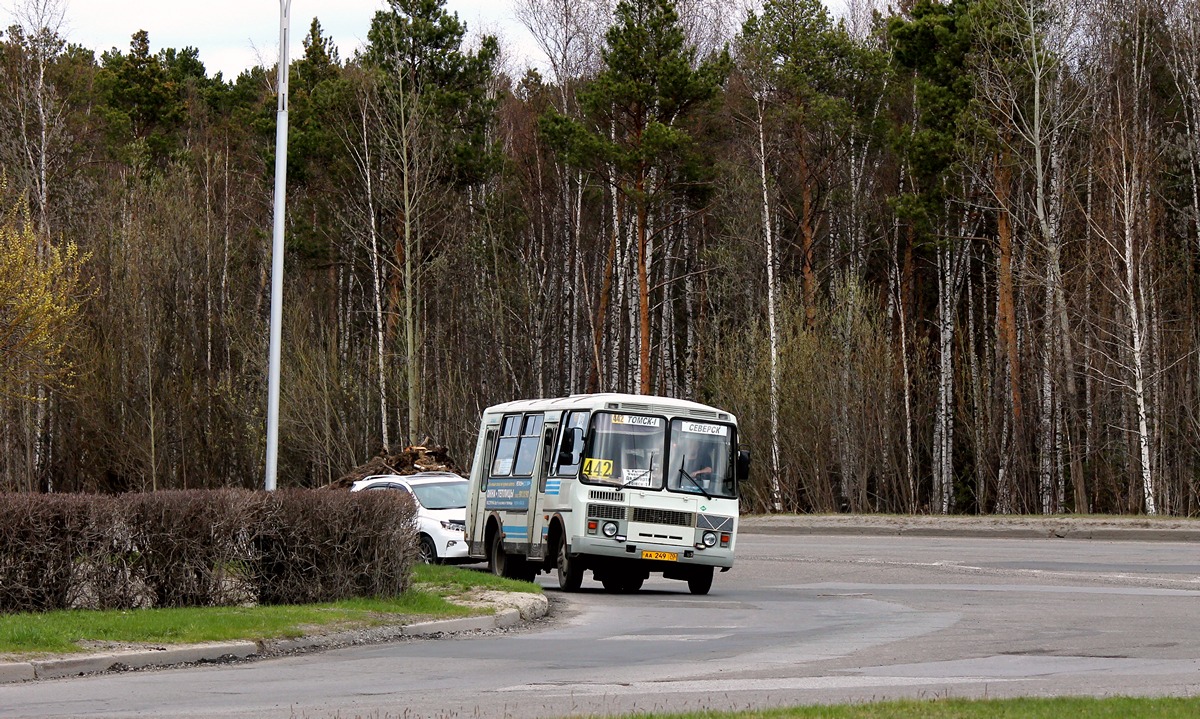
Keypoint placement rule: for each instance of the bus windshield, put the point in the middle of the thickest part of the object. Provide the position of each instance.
(626, 450)
(699, 461)
(686, 456)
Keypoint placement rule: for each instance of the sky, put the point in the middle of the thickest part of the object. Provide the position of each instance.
(233, 35)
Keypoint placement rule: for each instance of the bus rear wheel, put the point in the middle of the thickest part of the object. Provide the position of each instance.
(497, 559)
(509, 565)
(701, 580)
(570, 571)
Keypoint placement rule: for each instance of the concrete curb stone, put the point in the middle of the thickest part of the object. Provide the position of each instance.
(528, 607)
(16, 672)
(138, 659)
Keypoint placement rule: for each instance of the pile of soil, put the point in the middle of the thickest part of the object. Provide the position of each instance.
(410, 460)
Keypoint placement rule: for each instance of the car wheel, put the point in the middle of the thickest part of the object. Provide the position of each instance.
(701, 581)
(427, 551)
(570, 571)
(632, 584)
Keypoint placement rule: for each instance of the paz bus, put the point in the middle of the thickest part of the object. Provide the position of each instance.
(616, 484)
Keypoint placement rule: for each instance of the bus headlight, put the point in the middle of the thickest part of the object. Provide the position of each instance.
(609, 529)
(710, 539)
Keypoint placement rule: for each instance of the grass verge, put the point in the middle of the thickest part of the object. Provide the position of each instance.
(39, 634)
(1075, 708)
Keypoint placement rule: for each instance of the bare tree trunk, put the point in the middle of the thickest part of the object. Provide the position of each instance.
(368, 174)
(950, 265)
(772, 304)
(901, 269)
(1006, 320)
(1128, 149)
(808, 239)
(977, 395)
(1139, 369)
(411, 251)
(643, 280)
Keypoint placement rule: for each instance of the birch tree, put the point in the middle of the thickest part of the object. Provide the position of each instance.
(37, 109)
(569, 34)
(1126, 159)
(756, 62)
(650, 82)
(1027, 50)
(433, 104)
(934, 44)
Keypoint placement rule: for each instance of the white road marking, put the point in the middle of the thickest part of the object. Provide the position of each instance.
(745, 685)
(665, 637)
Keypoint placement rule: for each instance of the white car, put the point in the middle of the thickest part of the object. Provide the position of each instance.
(441, 500)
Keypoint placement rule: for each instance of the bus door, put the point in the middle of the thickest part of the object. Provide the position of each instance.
(547, 489)
(476, 503)
(509, 493)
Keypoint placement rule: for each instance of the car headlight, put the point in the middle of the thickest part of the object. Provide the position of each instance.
(610, 529)
(710, 539)
(454, 526)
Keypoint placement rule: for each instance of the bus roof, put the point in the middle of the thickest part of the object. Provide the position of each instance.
(616, 401)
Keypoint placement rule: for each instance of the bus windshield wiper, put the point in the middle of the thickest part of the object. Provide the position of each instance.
(691, 479)
(649, 477)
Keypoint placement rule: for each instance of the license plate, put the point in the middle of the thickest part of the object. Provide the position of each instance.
(661, 556)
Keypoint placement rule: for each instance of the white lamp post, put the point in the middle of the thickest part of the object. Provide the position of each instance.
(281, 134)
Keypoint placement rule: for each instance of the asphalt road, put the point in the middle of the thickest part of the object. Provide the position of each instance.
(800, 619)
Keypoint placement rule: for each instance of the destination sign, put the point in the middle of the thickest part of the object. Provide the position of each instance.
(715, 430)
(636, 419)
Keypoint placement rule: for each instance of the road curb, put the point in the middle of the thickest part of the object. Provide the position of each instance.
(139, 659)
(1134, 530)
(11, 672)
(529, 607)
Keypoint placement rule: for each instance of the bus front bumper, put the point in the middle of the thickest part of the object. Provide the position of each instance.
(659, 556)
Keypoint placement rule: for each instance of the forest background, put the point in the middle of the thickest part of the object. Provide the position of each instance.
(942, 257)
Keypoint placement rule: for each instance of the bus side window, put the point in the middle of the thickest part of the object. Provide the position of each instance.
(570, 446)
(489, 444)
(547, 450)
(506, 448)
(531, 435)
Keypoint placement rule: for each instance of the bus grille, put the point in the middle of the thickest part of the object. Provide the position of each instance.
(662, 516)
(606, 496)
(606, 511)
(713, 521)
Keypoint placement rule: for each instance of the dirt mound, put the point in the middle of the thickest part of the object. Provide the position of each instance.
(410, 460)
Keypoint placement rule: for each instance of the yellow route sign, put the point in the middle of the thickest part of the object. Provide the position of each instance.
(597, 468)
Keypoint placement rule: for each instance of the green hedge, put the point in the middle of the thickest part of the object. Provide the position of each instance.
(202, 548)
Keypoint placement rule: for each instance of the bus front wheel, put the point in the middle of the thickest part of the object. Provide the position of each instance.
(570, 571)
(701, 581)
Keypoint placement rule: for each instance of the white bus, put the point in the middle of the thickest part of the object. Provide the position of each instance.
(621, 485)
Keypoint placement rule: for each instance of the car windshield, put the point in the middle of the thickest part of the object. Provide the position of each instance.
(451, 494)
(699, 461)
(626, 450)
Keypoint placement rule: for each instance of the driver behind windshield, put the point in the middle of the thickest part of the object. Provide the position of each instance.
(695, 457)
(699, 459)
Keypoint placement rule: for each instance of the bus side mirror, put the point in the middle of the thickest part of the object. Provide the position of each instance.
(742, 470)
(568, 455)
